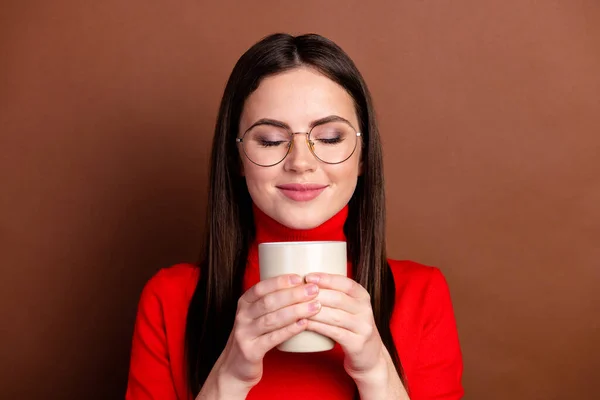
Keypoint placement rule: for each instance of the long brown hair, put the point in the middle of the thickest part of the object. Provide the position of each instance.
(230, 224)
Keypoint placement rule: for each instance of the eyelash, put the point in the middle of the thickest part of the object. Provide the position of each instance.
(266, 143)
(330, 141)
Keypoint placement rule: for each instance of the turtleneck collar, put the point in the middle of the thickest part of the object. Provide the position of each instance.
(269, 230)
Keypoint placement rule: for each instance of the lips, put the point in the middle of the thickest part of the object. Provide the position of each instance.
(301, 191)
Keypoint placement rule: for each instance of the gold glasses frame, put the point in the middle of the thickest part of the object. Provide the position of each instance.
(292, 134)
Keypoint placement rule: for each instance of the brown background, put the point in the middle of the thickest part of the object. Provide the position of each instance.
(489, 112)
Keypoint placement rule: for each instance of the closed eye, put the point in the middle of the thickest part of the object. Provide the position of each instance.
(331, 140)
(269, 143)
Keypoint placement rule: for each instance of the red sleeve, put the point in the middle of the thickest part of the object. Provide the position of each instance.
(439, 366)
(149, 372)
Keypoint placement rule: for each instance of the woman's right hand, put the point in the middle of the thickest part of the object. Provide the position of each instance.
(269, 313)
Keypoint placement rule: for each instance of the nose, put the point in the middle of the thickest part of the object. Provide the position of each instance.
(300, 158)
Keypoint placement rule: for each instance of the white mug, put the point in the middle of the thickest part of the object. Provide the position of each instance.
(302, 258)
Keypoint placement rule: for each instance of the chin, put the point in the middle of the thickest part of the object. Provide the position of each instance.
(300, 223)
(303, 218)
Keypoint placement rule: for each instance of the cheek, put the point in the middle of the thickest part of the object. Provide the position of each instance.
(345, 174)
(257, 178)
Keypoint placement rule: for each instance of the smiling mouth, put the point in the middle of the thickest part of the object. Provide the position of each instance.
(301, 192)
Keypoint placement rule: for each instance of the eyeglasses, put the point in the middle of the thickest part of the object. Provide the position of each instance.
(268, 142)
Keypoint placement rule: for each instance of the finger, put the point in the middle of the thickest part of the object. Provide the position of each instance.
(343, 319)
(342, 336)
(282, 298)
(270, 285)
(340, 300)
(338, 282)
(274, 338)
(281, 318)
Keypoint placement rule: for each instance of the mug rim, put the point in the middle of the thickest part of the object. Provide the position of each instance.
(276, 244)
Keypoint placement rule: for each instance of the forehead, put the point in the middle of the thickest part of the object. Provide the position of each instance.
(298, 97)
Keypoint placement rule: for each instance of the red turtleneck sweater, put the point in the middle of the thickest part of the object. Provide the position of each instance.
(422, 325)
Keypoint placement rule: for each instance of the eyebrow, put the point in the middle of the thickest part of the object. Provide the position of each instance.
(281, 124)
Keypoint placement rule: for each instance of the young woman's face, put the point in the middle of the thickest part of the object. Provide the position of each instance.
(297, 98)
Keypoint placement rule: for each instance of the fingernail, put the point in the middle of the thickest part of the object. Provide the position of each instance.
(312, 278)
(301, 322)
(311, 289)
(314, 306)
(295, 279)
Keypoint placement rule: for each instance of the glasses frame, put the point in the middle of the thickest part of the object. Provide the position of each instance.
(309, 143)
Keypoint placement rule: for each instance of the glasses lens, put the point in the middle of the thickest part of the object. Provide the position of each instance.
(266, 144)
(333, 142)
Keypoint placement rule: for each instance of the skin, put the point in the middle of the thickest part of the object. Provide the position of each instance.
(297, 98)
(276, 309)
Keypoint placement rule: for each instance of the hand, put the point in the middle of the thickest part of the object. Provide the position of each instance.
(346, 317)
(269, 313)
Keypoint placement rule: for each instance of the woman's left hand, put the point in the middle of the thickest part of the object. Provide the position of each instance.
(346, 317)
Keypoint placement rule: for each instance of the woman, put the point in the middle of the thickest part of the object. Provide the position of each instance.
(296, 156)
